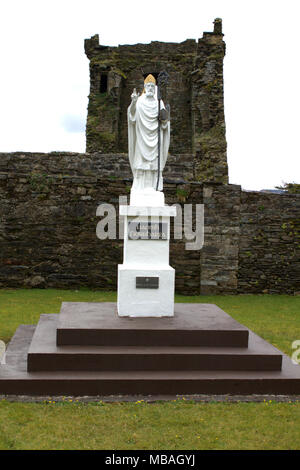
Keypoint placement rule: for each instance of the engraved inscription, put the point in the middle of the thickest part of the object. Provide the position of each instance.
(147, 230)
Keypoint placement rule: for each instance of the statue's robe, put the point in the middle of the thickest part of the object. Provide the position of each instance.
(143, 143)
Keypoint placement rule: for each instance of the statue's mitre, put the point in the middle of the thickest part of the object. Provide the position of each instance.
(150, 79)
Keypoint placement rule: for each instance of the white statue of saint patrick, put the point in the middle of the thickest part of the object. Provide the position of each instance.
(143, 138)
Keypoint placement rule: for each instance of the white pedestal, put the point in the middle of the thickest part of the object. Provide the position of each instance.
(145, 279)
(150, 302)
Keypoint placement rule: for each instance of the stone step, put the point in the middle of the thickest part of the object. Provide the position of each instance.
(37, 344)
(15, 380)
(45, 355)
(97, 324)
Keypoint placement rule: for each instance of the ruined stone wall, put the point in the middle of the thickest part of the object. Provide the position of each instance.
(194, 93)
(72, 164)
(48, 225)
(48, 221)
(125, 68)
(269, 245)
(209, 139)
(252, 241)
(220, 254)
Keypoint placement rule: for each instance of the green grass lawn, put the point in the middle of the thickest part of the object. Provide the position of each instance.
(179, 424)
(170, 425)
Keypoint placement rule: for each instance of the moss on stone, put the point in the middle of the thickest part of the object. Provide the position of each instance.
(119, 72)
(102, 141)
(40, 182)
(182, 194)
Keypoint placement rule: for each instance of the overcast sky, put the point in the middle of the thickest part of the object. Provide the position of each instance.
(44, 77)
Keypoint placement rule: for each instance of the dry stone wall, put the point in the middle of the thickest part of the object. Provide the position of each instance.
(48, 225)
(48, 221)
(269, 245)
(220, 254)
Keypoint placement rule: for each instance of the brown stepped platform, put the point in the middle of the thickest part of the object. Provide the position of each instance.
(86, 324)
(201, 350)
(44, 354)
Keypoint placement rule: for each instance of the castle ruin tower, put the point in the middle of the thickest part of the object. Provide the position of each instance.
(195, 95)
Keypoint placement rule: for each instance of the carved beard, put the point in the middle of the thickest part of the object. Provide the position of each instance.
(150, 92)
